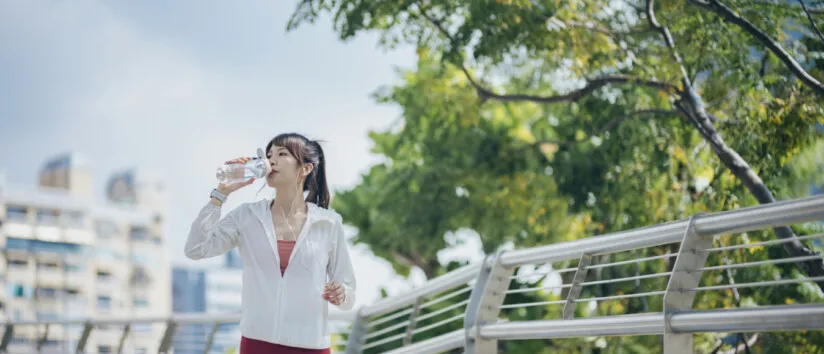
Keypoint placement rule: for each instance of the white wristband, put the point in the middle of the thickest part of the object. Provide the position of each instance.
(217, 195)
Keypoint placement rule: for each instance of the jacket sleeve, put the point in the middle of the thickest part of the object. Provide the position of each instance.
(210, 235)
(340, 267)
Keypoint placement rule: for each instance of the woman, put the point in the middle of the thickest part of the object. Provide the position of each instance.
(293, 251)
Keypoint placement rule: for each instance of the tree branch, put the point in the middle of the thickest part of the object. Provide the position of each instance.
(692, 106)
(611, 124)
(604, 31)
(730, 16)
(592, 84)
(812, 21)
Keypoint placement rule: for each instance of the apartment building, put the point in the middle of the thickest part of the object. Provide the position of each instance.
(66, 254)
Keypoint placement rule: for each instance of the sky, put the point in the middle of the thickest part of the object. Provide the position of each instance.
(174, 88)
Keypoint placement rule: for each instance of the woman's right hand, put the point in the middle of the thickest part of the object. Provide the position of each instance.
(227, 189)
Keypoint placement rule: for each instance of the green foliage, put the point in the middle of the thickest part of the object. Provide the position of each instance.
(467, 155)
(453, 165)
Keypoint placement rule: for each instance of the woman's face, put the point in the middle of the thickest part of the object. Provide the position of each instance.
(285, 168)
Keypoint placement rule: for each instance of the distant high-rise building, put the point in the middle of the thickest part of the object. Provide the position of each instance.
(69, 256)
(215, 291)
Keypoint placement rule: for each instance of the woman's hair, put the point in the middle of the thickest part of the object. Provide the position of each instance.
(307, 151)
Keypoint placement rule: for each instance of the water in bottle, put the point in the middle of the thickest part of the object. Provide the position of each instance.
(257, 167)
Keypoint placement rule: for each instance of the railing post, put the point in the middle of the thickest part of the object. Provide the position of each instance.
(410, 329)
(575, 290)
(211, 340)
(484, 304)
(4, 343)
(84, 337)
(42, 340)
(166, 341)
(360, 328)
(126, 329)
(691, 256)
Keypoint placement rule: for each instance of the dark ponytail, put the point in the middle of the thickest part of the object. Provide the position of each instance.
(307, 151)
(316, 181)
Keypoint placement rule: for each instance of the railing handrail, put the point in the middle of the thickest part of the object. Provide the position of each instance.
(180, 318)
(739, 220)
(756, 319)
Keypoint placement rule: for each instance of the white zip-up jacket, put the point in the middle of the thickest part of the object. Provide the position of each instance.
(285, 309)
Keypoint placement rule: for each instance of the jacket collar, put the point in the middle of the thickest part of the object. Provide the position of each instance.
(314, 211)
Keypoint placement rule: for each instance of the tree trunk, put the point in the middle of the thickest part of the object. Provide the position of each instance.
(693, 107)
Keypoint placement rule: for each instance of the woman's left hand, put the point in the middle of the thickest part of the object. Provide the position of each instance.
(334, 293)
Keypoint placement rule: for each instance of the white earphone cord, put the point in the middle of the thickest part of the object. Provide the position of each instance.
(291, 208)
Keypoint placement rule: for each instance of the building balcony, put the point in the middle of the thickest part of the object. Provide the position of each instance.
(80, 236)
(19, 229)
(48, 233)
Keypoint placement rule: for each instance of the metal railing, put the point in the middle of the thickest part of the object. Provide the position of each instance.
(481, 291)
(465, 305)
(207, 333)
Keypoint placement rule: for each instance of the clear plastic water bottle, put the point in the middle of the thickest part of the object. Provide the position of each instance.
(257, 167)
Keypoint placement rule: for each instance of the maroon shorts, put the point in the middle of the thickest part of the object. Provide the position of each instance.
(254, 346)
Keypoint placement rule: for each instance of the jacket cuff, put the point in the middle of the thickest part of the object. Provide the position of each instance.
(348, 299)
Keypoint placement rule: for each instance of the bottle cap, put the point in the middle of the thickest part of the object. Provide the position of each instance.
(264, 162)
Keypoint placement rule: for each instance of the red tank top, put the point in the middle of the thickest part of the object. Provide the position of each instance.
(284, 252)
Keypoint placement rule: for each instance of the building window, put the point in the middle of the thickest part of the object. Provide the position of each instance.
(72, 293)
(56, 247)
(141, 351)
(140, 302)
(20, 341)
(46, 316)
(73, 267)
(36, 246)
(74, 219)
(104, 349)
(17, 214)
(46, 293)
(47, 217)
(15, 243)
(47, 265)
(18, 263)
(139, 233)
(18, 290)
(104, 302)
(103, 276)
(141, 327)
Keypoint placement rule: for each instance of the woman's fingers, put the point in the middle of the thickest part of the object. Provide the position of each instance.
(334, 293)
(239, 160)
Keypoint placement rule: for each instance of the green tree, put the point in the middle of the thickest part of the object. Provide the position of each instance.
(666, 56)
(453, 165)
(593, 117)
